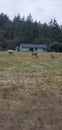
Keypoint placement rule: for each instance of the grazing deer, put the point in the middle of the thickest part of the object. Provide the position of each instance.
(10, 51)
(52, 56)
(35, 54)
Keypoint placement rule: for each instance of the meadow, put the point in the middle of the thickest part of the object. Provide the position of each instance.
(30, 91)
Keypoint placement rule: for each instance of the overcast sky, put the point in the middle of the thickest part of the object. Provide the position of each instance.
(41, 10)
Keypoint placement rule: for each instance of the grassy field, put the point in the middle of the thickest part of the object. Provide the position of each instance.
(30, 91)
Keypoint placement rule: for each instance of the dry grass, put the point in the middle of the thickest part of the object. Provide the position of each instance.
(30, 91)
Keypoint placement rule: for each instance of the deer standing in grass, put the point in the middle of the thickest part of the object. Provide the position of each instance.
(10, 51)
(35, 54)
(52, 56)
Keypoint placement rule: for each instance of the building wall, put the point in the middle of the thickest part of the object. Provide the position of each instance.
(35, 47)
(27, 49)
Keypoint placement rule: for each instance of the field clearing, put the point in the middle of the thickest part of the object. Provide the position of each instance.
(30, 91)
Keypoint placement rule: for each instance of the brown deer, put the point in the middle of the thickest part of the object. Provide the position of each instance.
(52, 56)
(35, 54)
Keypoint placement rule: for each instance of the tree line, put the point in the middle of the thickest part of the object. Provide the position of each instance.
(26, 30)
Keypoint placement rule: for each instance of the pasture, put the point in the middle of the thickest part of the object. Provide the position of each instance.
(30, 91)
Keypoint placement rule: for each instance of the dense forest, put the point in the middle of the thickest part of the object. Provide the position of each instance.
(26, 30)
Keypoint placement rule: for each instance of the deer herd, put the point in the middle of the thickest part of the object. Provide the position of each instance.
(34, 54)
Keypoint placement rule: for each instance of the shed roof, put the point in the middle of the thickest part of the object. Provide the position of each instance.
(25, 45)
